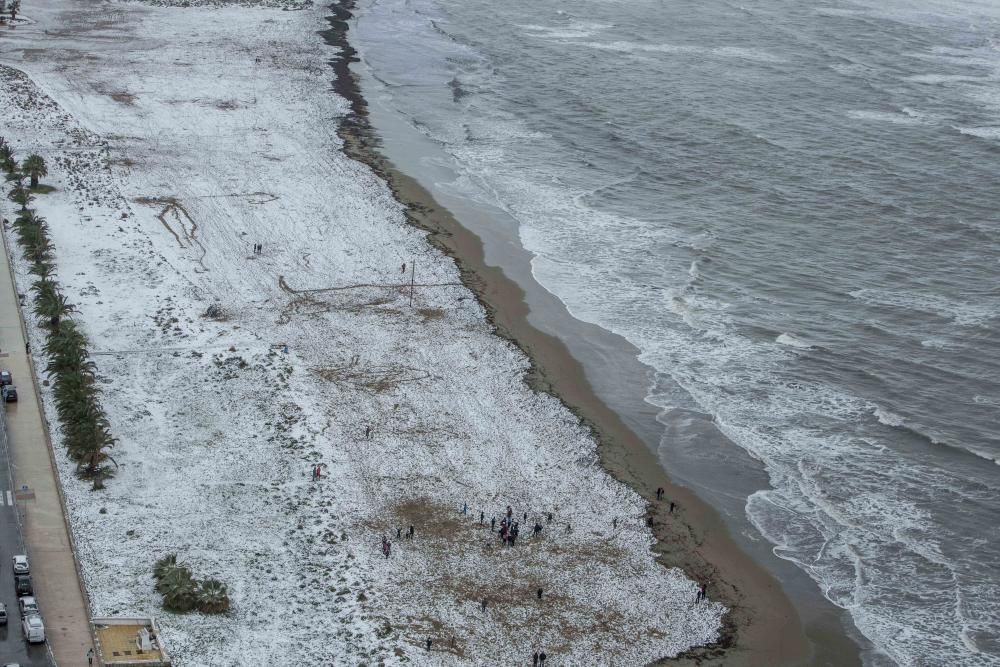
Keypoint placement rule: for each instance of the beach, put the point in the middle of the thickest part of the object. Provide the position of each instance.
(179, 139)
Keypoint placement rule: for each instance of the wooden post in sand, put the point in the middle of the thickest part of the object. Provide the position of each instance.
(413, 271)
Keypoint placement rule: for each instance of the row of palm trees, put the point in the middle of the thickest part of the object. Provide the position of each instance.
(183, 593)
(86, 430)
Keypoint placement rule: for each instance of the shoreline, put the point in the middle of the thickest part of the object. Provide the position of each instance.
(755, 630)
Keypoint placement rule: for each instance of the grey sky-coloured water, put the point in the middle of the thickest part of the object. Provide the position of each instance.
(791, 210)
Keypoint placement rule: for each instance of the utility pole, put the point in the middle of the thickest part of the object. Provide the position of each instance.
(413, 271)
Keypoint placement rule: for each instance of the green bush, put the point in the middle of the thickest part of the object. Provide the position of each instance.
(183, 593)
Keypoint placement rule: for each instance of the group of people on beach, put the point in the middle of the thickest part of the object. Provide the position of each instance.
(508, 531)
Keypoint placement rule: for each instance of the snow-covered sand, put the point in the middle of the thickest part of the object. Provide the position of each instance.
(177, 139)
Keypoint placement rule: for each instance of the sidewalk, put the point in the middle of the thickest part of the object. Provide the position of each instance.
(53, 569)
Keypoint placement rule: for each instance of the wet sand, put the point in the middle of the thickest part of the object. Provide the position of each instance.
(763, 626)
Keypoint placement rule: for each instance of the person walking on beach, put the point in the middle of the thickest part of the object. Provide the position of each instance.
(493, 524)
(550, 517)
(428, 643)
(465, 508)
(411, 532)
(386, 548)
(614, 523)
(484, 604)
(509, 512)
(671, 507)
(399, 533)
(534, 660)
(539, 592)
(368, 432)
(482, 518)
(541, 658)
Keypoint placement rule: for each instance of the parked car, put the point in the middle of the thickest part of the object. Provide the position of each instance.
(21, 564)
(22, 584)
(9, 393)
(27, 605)
(3, 614)
(33, 629)
(5, 377)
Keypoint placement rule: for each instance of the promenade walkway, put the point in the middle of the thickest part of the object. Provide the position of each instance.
(53, 568)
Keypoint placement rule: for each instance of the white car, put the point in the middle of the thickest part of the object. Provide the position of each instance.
(21, 565)
(27, 605)
(33, 629)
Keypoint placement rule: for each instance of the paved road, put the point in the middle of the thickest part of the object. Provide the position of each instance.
(47, 542)
(13, 648)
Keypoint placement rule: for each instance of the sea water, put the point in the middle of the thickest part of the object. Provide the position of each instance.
(790, 210)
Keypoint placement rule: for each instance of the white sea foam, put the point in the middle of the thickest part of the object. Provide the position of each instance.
(935, 79)
(986, 132)
(576, 30)
(888, 418)
(719, 51)
(885, 117)
(963, 313)
(792, 341)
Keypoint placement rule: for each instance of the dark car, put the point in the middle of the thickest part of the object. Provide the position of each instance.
(22, 583)
(8, 393)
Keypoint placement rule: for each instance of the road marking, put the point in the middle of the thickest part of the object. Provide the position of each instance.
(10, 498)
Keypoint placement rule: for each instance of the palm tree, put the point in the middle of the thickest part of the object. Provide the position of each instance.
(7, 158)
(65, 343)
(91, 464)
(34, 167)
(85, 430)
(21, 195)
(213, 598)
(29, 217)
(28, 236)
(180, 590)
(43, 270)
(54, 306)
(164, 565)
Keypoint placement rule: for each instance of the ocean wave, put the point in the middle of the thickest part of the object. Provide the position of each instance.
(886, 117)
(935, 79)
(986, 132)
(573, 31)
(891, 419)
(887, 418)
(792, 341)
(961, 312)
(755, 55)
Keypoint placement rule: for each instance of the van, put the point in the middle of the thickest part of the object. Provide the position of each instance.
(9, 393)
(3, 614)
(33, 629)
